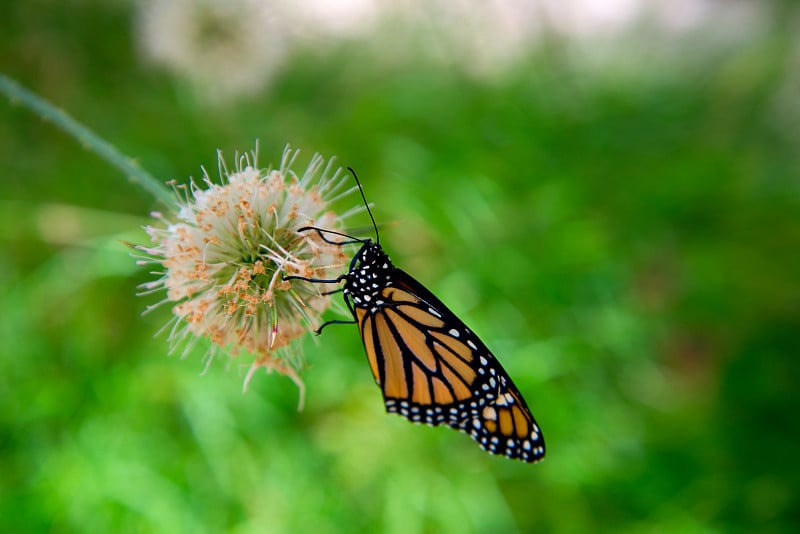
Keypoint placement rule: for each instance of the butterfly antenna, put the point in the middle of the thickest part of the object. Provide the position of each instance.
(364, 198)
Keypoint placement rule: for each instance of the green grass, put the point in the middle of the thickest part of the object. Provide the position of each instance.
(626, 242)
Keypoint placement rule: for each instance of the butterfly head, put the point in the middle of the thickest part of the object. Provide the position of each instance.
(370, 272)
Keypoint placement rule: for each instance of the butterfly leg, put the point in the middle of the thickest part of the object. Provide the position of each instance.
(321, 231)
(326, 293)
(316, 280)
(339, 321)
(318, 331)
(341, 278)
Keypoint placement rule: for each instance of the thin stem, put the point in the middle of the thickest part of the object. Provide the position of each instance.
(18, 94)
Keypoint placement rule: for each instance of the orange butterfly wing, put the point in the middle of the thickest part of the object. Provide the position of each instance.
(432, 369)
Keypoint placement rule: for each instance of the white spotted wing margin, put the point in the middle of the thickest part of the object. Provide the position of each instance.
(432, 369)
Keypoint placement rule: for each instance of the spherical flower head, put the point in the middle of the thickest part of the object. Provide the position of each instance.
(228, 248)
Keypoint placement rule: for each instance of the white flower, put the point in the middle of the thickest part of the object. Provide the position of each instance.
(226, 251)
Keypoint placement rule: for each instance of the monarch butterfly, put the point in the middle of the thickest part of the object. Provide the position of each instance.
(429, 365)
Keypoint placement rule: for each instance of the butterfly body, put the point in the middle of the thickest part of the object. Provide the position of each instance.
(430, 366)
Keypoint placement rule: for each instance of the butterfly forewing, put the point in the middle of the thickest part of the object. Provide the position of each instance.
(431, 368)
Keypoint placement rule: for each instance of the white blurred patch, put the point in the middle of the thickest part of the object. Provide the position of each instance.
(333, 18)
(236, 47)
(487, 37)
(225, 49)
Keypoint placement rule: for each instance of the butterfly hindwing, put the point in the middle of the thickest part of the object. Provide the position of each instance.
(433, 369)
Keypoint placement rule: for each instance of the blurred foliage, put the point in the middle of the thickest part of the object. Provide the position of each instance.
(626, 239)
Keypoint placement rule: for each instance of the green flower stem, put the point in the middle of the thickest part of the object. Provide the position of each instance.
(16, 93)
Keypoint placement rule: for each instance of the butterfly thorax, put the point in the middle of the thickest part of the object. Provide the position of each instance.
(370, 272)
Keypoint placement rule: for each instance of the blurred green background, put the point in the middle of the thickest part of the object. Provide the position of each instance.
(615, 214)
